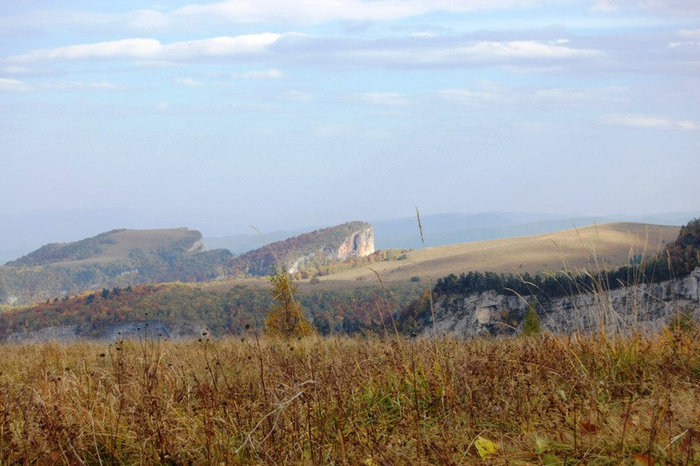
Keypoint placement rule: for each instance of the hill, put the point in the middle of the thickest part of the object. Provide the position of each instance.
(185, 309)
(114, 245)
(452, 228)
(308, 250)
(121, 258)
(240, 244)
(646, 293)
(117, 258)
(612, 244)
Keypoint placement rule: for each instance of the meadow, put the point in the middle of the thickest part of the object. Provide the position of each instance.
(575, 248)
(340, 400)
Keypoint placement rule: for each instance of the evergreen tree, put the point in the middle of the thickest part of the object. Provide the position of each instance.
(531, 324)
(286, 319)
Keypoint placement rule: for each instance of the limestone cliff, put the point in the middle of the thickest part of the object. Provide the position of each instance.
(646, 306)
(307, 251)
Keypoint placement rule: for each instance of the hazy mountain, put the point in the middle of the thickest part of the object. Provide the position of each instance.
(27, 231)
(239, 244)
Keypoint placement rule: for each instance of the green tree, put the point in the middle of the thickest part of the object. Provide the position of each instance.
(531, 324)
(286, 319)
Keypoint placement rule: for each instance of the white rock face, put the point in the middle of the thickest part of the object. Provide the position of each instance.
(357, 244)
(641, 307)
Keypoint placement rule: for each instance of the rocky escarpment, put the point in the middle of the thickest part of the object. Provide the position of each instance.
(308, 251)
(645, 306)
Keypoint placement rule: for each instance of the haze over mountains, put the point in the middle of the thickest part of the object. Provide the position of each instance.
(27, 231)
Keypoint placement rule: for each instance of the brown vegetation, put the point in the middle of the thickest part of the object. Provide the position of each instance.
(542, 400)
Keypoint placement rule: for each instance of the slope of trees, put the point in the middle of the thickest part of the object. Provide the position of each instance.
(59, 252)
(359, 310)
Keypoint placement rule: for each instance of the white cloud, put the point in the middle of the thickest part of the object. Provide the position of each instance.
(675, 7)
(525, 49)
(482, 52)
(147, 19)
(319, 11)
(690, 33)
(299, 96)
(478, 96)
(189, 82)
(152, 49)
(389, 99)
(16, 70)
(82, 86)
(259, 74)
(489, 94)
(636, 120)
(14, 85)
(669, 7)
(606, 6)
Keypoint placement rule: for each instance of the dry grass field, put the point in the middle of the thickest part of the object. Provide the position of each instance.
(544, 400)
(610, 244)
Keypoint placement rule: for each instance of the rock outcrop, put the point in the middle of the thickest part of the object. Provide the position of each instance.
(358, 244)
(309, 250)
(645, 306)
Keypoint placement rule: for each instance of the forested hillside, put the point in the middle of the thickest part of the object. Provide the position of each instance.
(185, 308)
(117, 258)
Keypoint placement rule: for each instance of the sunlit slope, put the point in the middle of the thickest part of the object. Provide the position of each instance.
(112, 246)
(607, 245)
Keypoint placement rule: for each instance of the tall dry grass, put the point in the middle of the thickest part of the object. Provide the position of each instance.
(544, 400)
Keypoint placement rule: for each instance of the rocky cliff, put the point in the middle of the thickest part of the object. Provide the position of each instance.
(307, 251)
(646, 306)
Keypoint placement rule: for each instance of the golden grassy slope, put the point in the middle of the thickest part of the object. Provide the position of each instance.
(612, 244)
(549, 400)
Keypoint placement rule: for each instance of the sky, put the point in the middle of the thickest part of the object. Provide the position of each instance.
(285, 113)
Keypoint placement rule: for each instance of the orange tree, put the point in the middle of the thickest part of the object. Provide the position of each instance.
(286, 319)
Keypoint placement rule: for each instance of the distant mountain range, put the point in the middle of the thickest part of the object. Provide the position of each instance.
(25, 232)
(121, 258)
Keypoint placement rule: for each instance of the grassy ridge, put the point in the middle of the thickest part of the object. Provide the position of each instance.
(551, 400)
(613, 243)
(111, 246)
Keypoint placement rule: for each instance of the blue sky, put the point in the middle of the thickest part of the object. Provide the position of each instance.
(291, 113)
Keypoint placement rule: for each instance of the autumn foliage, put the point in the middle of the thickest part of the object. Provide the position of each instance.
(286, 319)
